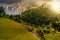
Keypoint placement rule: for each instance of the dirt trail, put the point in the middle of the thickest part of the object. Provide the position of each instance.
(36, 35)
(33, 33)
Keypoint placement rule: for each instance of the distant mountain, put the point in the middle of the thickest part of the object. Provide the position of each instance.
(13, 9)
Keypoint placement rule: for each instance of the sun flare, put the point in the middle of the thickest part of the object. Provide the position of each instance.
(55, 6)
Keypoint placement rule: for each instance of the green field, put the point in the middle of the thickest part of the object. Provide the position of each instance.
(10, 30)
(52, 36)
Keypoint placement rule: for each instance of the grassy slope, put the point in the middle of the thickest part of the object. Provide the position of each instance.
(51, 36)
(10, 30)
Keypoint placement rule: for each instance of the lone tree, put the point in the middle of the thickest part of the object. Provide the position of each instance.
(2, 11)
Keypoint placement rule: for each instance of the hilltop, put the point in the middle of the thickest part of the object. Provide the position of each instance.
(11, 30)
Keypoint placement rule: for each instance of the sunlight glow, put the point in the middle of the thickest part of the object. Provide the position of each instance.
(55, 6)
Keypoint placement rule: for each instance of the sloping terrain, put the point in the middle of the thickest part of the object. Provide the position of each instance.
(10, 30)
(52, 36)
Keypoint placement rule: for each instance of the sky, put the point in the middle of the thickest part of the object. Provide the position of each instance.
(26, 4)
(16, 1)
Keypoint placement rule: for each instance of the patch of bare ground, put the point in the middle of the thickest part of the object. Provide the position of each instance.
(36, 35)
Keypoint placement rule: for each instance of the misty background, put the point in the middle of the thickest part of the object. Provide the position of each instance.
(17, 6)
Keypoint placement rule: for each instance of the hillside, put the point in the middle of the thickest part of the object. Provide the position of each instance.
(10, 30)
(44, 21)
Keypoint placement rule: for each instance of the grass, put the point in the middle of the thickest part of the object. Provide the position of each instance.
(10, 30)
(51, 36)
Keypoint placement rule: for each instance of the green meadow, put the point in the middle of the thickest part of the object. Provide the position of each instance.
(52, 36)
(10, 30)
